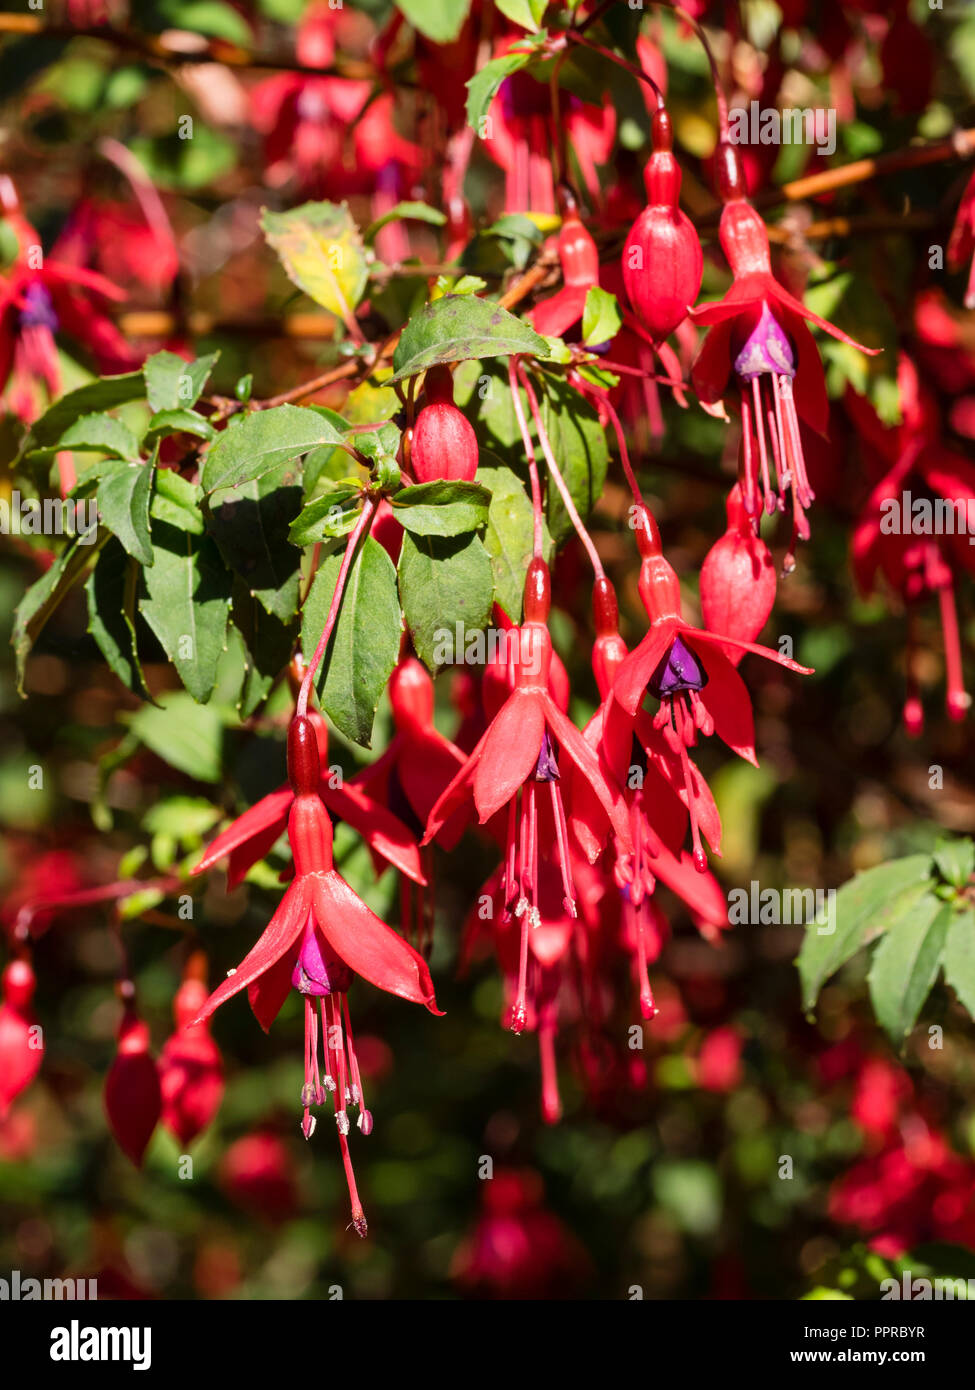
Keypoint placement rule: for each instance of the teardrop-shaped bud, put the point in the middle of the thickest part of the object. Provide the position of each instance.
(444, 443)
(190, 1065)
(133, 1100)
(737, 580)
(21, 1045)
(662, 258)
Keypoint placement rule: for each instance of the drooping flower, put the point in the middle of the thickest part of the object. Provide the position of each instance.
(39, 297)
(133, 1100)
(662, 258)
(961, 243)
(320, 937)
(527, 746)
(579, 258)
(21, 1047)
(190, 1065)
(685, 667)
(444, 445)
(252, 835)
(737, 579)
(759, 339)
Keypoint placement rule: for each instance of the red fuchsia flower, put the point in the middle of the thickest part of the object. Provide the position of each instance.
(116, 239)
(524, 749)
(915, 560)
(915, 1191)
(321, 936)
(517, 1248)
(662, 258)
(718, 1064)
(38, 298)
(190, 1065)
(409, 778)
(253, 834)
(758, 337)
(579, 258)
(133, 1100)
(961, 243)
(685, 667)
(663, 792)
(737, 579)
(518, 136)
(21, 1048)
(444, 445)
(257, 1174)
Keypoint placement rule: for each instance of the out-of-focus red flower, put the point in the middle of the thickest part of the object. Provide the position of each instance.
(518, 1249)
(718, 1065)
(21, 1049)
(257, 1174)
(190, 1066)
(132, 1096)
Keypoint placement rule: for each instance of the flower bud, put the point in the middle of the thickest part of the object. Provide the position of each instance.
(737, 579)
(662, 258)
(444, 444)
(133, 1100)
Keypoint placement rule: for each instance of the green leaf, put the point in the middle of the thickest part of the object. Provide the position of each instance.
(123, 506)
(263, 440)
(906, 963)
(527, 13)
(601, 318)
(321, 250)
(103, 394)
(250, 525)
(862, 909)
(444, 581)
(955, 861)
(185, 818)
(177, 502)
(441, 508)
(483, 87)
(403, 212)
(111, 591)
(959, 957)
(101, 434)
(438, 20)
(364, 645)
(268, 645)
(213, 17)
(167, 422)
(44, 596)
(579, 445)
(458, 327)
(186, 604)
(186, 735)
(510, 534)
(186, 162)
(327, 516)
(172, 383)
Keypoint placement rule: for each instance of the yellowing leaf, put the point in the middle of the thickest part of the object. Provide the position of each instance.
(321, 250)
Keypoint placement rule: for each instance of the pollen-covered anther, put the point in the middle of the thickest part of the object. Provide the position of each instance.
(308, 1124)
(342, 1121)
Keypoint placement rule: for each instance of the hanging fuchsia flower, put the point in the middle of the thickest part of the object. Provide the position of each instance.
(444, 445)
(133, 1100)
(254, 833)
(737, 579)
(758, 337)
(686, 667)
(579, 258)
(961, 243)
(21, 1049)
(40, 297)
(527, 744)
(321, 936)
(662, 258)
(190, 1065)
